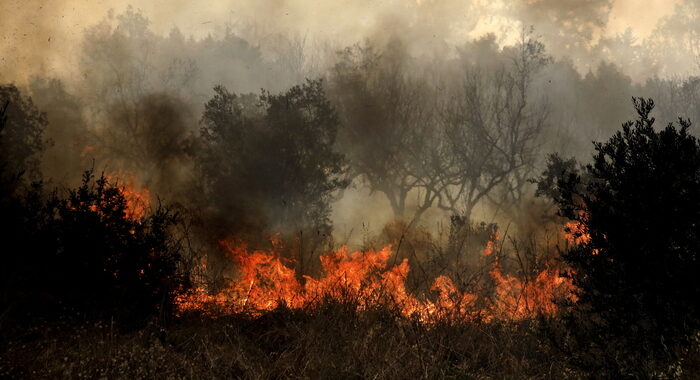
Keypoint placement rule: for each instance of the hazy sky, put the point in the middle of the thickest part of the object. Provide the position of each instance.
(40, 36)
(640, 15)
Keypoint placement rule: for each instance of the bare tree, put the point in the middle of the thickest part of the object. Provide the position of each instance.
(386, 121)
(492, 125)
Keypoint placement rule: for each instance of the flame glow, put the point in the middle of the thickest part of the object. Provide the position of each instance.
(266, 281)
(138, 198)
(576, 233)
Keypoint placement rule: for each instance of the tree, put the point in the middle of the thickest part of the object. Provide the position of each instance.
(492, 125)
(388, 124)
(604, 113)
(674, 44)
(65, 158)
(22, 135)
(639, 201)
(268, 162)
(138, 97)
(675, 96)
(569, 27)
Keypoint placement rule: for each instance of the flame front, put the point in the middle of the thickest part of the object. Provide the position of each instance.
(365, 279)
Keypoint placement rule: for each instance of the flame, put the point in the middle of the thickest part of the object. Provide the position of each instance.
(138, 198)
(519, 299)
(88, 151)
(576, 232)
(491, 245)
(266, 281)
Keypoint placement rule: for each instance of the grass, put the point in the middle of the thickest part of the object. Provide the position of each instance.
(333, 341)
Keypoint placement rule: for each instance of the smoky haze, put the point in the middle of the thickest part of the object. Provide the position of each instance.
(437, 108)
(44, 37)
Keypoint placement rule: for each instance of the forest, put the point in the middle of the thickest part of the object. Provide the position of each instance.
(417, 189)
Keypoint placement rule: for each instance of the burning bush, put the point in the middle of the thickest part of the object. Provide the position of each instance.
(366, 280)
(92, 251)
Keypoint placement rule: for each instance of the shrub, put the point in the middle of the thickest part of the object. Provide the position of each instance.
(639, 201)
(81, 252)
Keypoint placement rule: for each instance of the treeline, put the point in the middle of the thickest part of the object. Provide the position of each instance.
(447, 135)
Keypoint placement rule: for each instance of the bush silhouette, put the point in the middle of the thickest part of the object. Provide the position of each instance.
(81, 252)
(640, 202)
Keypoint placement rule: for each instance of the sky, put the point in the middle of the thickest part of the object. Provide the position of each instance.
(41, 36)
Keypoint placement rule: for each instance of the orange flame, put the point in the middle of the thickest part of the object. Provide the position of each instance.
(491, 245)
(576, 232)
(138, 198)
(519, 299)
(265, 283)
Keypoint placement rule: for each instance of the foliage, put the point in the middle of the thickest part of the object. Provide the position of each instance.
(388, 132)
(449, 144)
(268, 163)
(492, 125)
(82, 253)
(639, 200)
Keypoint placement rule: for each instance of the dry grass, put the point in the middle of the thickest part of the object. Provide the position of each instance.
(332, 342)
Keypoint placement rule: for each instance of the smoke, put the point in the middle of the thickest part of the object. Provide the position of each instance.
(44, 37)
(124, 87)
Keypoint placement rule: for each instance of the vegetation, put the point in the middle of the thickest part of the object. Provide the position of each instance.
(638, 202)
(333, 341)
(271, 161)
(80, 251)
(240, 272)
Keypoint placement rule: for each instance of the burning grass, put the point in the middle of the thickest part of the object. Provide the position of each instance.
(266, 281)
(358, 319)
(360, 316)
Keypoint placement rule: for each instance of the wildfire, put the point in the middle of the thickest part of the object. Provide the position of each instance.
(490, 245)
(266, 281)
(138, 198)
(576, 232)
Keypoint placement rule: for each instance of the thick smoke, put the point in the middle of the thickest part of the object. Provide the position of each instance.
(124, 89)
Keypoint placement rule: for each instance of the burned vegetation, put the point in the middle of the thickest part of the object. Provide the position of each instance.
(374, 211)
